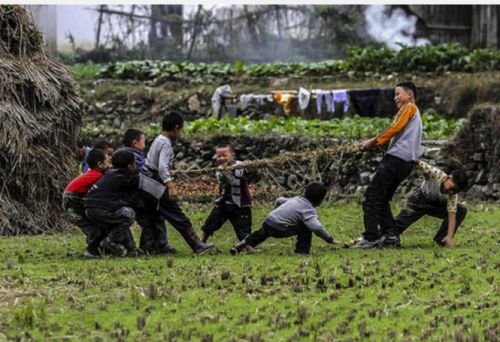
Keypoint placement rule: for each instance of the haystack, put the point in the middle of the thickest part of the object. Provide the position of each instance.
(40, 117)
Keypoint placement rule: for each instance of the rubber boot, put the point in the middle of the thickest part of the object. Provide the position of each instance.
(194, 241)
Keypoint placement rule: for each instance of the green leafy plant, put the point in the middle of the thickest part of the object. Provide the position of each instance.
(429, 58)
(354, 127)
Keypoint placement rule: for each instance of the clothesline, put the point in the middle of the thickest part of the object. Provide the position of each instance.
(364, 101)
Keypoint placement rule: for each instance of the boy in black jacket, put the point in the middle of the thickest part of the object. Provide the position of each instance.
(154, 238)
(106, 204)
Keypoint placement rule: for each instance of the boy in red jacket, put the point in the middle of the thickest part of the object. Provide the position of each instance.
(73, 195)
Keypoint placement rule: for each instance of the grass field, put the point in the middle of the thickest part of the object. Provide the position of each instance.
(419, 292)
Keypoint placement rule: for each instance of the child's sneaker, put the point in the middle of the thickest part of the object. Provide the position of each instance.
(202, 248)
(391, 241)
(133, 253)
(363, 243)
(88, 255)
(166, 249)
(350, 243)
(236, 249)
(115, 249)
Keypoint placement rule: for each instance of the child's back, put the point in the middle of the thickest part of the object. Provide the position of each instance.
(112, 190)
(107, 203)
(296, 216)
(296, 211)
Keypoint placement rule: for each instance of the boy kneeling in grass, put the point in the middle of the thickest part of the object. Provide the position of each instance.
(296, 216)
(74, 193)
(107, 203)
(437, 197)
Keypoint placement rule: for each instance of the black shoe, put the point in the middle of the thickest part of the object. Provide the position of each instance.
(392, 241)
(133, 252)
(204, 247)
(236, 249)
(166, 249)
(111, 247)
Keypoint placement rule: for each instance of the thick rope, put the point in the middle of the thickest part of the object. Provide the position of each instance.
(312, 155)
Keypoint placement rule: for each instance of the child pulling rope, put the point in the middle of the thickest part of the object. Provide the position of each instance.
(313, 155)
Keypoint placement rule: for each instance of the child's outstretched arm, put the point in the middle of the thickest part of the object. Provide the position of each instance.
(452, 221)
(404, 115)
(317, 228)
(451, 207)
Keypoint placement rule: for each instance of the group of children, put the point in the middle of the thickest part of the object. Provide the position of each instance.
(105, 200)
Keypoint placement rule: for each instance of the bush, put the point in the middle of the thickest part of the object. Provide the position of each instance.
(429, 58)
(354, 127)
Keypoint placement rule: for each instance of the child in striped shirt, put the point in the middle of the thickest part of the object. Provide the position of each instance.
(234, 202)
(437, 197)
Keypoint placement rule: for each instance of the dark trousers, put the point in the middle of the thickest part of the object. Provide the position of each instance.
(95, 233)
(240, 218)
(118, 222)
(376, 209)
(304, 236)
(418, 206)
(173, 214)
(153, 229)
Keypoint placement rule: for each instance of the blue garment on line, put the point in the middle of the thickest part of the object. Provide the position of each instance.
(340, 96)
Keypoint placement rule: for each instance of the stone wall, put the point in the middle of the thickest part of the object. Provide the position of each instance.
(477, 148)
(348, 175)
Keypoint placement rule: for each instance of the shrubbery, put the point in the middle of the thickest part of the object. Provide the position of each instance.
(430, 58)
(347, 128)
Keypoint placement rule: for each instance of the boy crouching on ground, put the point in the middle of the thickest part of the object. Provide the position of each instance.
(234, 201)
(74, 193)
(294, 216)
(437, 197)
(106, 204)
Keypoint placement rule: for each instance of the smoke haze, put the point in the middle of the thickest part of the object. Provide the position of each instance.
(392, 28)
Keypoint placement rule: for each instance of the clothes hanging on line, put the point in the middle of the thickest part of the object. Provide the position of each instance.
(326, 96)
(365, 101)
(340, 96)
(285, 100)
(304, 98)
